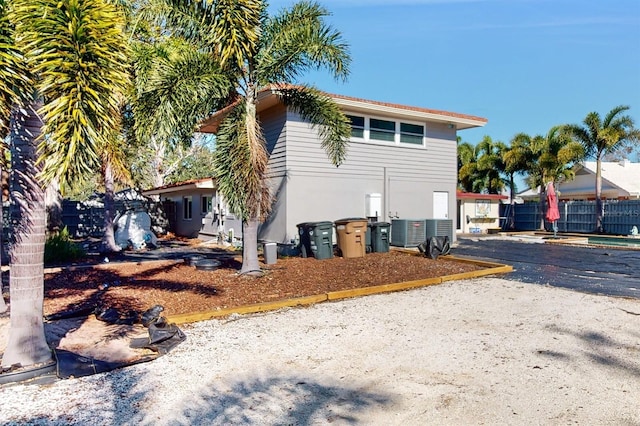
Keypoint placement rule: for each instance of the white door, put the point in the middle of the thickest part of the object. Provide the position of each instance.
(440, 205)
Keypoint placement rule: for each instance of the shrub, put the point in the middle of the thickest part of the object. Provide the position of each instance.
(59, 247)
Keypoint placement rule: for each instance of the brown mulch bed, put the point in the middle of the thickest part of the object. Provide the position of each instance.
(181, 288)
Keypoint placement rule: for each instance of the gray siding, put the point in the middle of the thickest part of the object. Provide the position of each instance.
(312, 189)
(199, 222)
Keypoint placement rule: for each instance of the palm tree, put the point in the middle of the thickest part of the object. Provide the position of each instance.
(517, 158)
(468, 179)
(490, 164)
(266, 53)
(76, 54)
(601, 137)
(548, 158)
(13, 81)
(291, 42)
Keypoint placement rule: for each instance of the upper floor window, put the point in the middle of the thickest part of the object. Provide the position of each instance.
(411, 133)
(382, 130)
(376, 129)
(357, 126)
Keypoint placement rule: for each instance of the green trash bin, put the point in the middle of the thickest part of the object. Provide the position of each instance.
(352, 234)
(316, 239)
(380, 237)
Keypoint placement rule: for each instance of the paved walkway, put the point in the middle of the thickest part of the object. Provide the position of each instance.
(610, 271)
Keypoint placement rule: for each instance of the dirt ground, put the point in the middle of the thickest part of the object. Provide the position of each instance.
(94, 309)
(180, 288)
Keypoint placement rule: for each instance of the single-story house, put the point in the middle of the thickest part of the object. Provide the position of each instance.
(620, 181)
(195, 210)
(401, 163)
(478, 213)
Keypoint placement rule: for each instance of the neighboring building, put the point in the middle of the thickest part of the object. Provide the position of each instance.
(401, 163)
(194, 209)
(620, 181)
(478, 213)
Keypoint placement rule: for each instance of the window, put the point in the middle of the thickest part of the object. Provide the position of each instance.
(186, 208)
(382, 130)
(411, 133)
(206, 204)
(357, 126)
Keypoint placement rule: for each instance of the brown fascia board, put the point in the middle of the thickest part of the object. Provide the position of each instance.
(174, 187)
(461, 121)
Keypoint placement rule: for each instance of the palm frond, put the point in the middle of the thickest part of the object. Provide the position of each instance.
(176, 90)
(298, 40)
(14, 74)
(324, 114)
(79, 53)
(239, 170)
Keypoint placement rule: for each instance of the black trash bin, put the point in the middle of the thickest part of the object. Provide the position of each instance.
(380, 237)
(316, 239)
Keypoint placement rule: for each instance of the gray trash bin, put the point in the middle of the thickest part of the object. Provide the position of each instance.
(270, 253)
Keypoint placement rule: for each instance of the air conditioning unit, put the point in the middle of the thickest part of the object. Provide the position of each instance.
(439, 228)
(407, 232)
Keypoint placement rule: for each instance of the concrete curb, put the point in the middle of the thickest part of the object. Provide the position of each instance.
(491, 269)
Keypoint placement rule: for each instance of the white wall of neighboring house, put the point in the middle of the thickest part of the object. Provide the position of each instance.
(478, 213)
(620, 181)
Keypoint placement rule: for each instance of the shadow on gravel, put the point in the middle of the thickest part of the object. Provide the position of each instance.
(599, 349)
(286, 400)
(275, 400)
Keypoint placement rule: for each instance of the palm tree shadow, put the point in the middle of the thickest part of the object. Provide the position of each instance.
(273, 400)
(601, 350)
(285, 399)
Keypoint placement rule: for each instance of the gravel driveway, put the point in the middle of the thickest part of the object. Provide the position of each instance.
(482, 351)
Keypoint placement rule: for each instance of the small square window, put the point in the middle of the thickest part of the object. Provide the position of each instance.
(411, 133)
(357, 126)
(382, 130)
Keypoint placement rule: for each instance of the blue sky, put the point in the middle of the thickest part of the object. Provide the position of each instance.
(525, 65)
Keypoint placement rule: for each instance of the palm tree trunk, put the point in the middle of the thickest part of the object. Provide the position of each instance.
(3, 305)
(157, 162)
(599, 204)
(108, 240)
(27, 344)
(53, 203)
(250, 264)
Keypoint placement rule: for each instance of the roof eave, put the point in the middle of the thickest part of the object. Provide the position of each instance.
(460, 121)
(268, 97)
(180, 187)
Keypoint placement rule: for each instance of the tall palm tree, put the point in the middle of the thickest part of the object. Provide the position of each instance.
(290, 43)
(13, 82)
(77, 56)
(601, 137)
(262, 52)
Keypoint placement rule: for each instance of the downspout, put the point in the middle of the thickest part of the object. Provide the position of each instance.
(385, 196)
